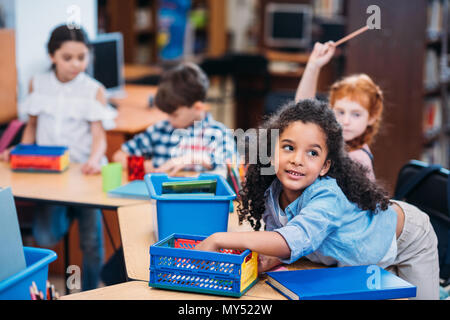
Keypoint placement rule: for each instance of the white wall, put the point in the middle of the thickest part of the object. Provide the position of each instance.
(33, 22)
(8, 9)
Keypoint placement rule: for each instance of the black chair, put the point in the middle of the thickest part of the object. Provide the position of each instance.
(221, 68)
(276, 99)
(250, 73)
(428, 188)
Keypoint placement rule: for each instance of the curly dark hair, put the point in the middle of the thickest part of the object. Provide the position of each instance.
(350, 176)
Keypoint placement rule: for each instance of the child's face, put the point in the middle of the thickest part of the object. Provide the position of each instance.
(353, 117)
(184, 117)
(300, 157)
(70, 60)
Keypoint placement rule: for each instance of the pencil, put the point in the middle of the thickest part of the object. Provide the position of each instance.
(233, 180)
(351, 35)
(33, 296)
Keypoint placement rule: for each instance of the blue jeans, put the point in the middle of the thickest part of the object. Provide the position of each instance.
(52, 222)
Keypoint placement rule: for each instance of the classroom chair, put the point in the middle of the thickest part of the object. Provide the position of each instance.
(220, 68)
(276, 99)
(428, 188)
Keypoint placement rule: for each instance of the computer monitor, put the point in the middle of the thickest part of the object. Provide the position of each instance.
(108, 62)
(288, 25)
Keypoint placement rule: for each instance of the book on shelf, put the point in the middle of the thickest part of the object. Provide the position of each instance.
(432, 117)
(434, 19)
(143, 18)
(328, 8)
(431, 74)
(369, 282)
(434, 154)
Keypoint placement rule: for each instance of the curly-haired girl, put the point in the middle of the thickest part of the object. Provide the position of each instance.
(356, 101)
(319, 203)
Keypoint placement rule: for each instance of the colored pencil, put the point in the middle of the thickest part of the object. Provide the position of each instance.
(351, 35)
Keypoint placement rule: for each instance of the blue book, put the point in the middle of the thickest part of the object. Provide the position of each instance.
(346, 283)
(11, 249)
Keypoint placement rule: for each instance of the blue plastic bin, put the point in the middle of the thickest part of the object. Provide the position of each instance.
(17, 287)
(190, 214)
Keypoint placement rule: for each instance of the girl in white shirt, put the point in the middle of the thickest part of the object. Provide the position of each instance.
(66, 107)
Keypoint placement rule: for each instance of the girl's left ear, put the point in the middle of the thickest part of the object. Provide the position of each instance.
(326, 167)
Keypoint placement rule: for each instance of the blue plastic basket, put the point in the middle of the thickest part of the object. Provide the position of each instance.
(190, 214)
(175, 266)
(17, 287)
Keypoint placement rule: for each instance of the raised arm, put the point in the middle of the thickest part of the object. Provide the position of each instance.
(320, 56)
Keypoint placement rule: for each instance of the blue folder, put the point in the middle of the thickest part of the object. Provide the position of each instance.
(133, 190)
(368, 282)
(12, 258)
(138, 190)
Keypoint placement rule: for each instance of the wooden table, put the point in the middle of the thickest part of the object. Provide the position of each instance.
(137, 71)
(71, 187)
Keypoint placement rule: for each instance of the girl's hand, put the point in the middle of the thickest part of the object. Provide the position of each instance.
(266, 263)
(4, 156)
(322, 54)
(91, 167)
(209, 244)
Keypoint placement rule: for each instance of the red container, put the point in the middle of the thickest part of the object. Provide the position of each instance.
(136, 169)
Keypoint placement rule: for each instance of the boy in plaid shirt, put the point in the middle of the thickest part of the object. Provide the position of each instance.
(190, 139)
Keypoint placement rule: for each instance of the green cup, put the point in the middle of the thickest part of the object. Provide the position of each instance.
(111, 176)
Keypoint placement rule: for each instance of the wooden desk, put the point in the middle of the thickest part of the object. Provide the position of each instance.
(134, 116)
(137, 232)
(139, 290)
(134, 111)
(137, 71)
(71, 187)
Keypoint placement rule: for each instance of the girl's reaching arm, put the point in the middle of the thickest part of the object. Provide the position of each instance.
(320, 56)
(269, 243)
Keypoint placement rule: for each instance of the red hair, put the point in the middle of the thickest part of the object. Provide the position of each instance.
(361, 89)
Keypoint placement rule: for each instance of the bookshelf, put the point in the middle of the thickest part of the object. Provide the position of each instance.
(436, 83)
(137, 21)
(397, 57)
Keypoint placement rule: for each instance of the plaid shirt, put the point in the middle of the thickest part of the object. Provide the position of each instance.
(206, 139)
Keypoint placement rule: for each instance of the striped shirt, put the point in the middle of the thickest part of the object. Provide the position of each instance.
(206, 139)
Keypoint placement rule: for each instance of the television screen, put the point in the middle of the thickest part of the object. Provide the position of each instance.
(288, 25)
(107, 61)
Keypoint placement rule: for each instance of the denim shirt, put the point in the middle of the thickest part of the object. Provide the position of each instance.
(325, 226)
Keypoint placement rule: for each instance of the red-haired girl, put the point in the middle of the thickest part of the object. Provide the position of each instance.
(356, 101)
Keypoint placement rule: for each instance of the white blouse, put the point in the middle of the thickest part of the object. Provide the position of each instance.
(65, 111)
